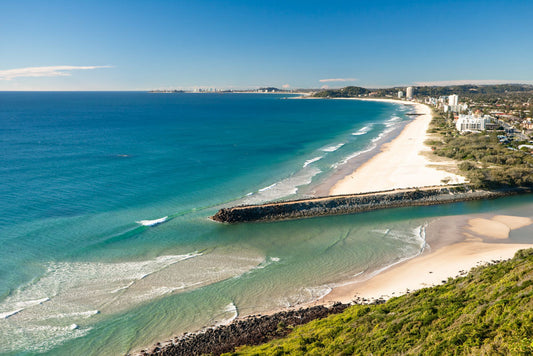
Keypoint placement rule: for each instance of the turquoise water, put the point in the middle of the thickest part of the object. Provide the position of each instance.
(106, 241)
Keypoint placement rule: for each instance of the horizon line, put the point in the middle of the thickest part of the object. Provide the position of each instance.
(285, 89)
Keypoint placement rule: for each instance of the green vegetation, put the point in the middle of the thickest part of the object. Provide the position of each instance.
(470, 91)
(346, 92)
(489, 92)
(483, 159)
(270, 89)
(487, 312)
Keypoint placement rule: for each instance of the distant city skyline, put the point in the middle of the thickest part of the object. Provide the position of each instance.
(141, 45)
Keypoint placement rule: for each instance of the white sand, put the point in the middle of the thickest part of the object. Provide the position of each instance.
(400, 164)
(490, 228)
(513, 222)
(499, 226)
(449, 259)
(425, 271)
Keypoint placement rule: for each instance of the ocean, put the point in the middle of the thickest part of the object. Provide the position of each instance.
(106, 242)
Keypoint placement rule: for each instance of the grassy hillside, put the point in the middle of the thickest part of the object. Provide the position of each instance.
(487, 312)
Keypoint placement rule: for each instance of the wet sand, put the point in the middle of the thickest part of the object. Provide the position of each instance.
(455, 244)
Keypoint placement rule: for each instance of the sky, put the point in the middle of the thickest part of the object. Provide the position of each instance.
(232, 44)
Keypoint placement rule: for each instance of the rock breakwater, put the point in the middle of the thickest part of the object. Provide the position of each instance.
(356, 203)
(254, 330)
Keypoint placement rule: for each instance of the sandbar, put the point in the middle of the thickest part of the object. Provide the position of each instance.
(452, 251)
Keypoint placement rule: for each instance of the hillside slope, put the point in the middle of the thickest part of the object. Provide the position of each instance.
(489, 311)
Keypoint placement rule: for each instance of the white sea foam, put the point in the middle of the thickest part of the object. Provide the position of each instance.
(232, 308)
(123, 288)
(39, 338)
(83, 314)
(268, 188)
(332, 148)
(416, 237)
(383, 232)
(263, 264)
(152, 222)
(283, 188)
(20, 306)
(266, 263)
(363, 130)
(420, 232)
(47, 307)
(305, 295)
(233, 312)
(393, 121)
(5, 315)
(382, 134)
(29, 303)
(353, 155)
(309, 161)
(394, 118)
(370, 147)
(71, 293)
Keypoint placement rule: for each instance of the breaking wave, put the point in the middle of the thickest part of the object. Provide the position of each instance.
(309, 161)
(332, 148)
(152, 222)
(284, 188)
(363, 130)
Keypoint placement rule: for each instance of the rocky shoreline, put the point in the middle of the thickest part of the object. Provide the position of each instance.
(253, 330)
(357, 203)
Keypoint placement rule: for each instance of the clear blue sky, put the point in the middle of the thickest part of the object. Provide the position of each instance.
(137, 45)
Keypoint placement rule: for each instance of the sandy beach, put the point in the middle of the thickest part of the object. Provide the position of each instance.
(455, 245)
(402, 163)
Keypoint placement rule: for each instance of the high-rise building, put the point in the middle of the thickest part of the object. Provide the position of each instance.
(409, 94)
(453, 100)
(400, 94)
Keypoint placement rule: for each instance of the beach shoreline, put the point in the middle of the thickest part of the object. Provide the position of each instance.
(454, 244)
(408, 151)
(452, 249)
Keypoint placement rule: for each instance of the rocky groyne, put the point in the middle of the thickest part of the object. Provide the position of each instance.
(253, 330)
(356, 203)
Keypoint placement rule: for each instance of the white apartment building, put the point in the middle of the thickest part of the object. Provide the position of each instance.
(453, 100)
(409, 94)
(400, 94)
(472, 123)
